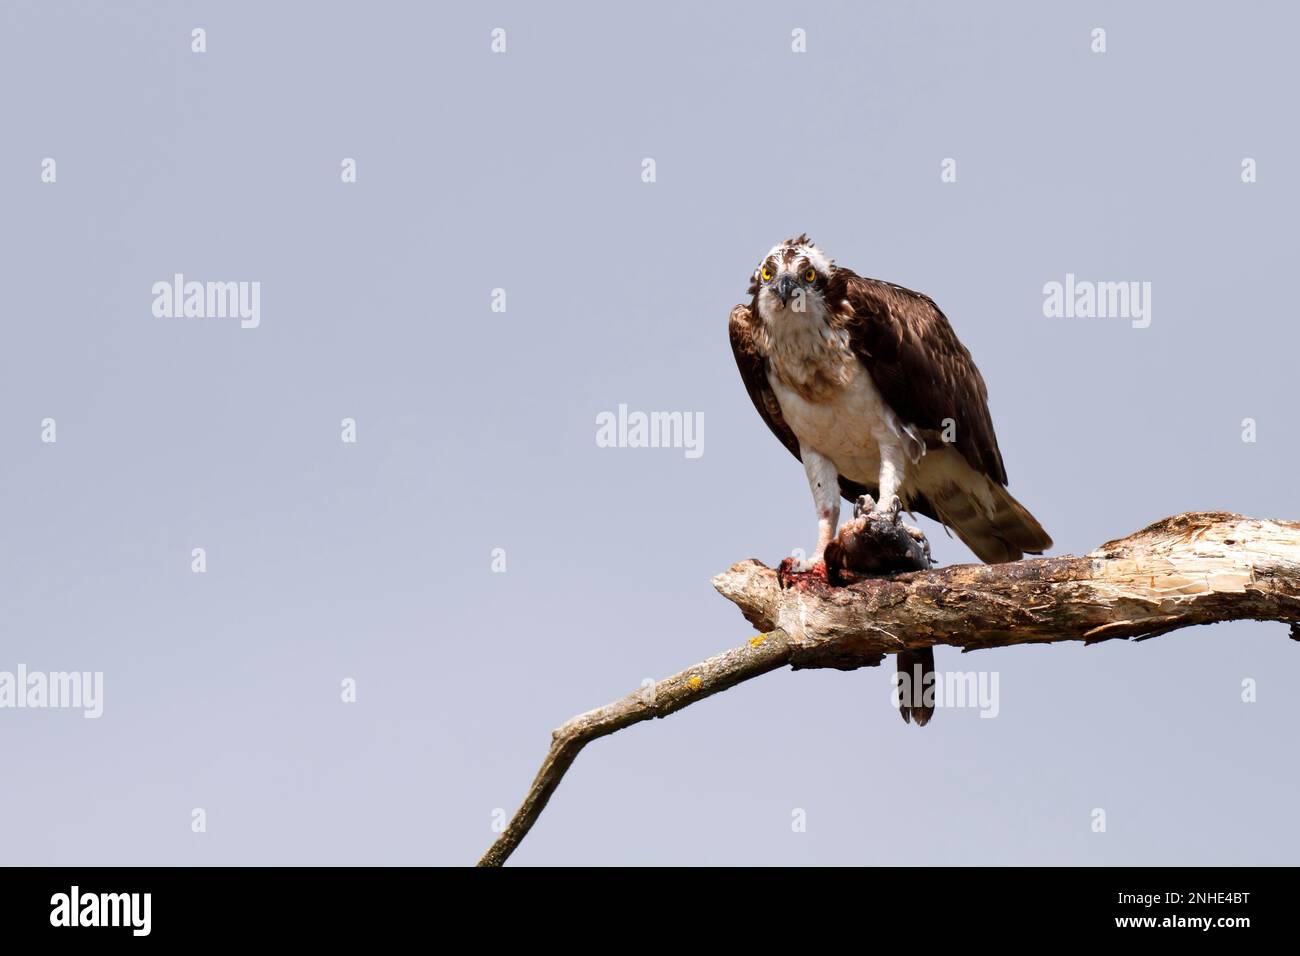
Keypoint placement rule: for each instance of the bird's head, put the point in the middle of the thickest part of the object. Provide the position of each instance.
(792, 276)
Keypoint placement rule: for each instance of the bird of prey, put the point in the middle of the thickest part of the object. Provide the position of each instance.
(866, 383)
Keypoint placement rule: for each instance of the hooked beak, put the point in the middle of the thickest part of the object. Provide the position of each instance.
(785, 288)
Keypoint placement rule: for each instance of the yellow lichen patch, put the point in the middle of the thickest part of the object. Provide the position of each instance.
(757, 640)
(695, 683)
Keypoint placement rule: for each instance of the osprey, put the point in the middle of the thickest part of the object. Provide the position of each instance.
(866, 384)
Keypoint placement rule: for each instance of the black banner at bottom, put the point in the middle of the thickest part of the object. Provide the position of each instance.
(94, 905)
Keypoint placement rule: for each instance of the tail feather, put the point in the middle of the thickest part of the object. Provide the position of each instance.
(916, 689)
(1014, 524)
(987, 519)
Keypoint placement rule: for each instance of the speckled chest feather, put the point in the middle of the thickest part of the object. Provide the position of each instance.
(809, 352)
(826, 395)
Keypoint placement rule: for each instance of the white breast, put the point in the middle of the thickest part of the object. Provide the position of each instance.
(848, 426)
(826, 395)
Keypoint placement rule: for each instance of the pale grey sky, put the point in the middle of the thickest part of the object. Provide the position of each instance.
(476, 430)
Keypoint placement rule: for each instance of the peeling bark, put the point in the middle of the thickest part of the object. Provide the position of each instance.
(1195, 568)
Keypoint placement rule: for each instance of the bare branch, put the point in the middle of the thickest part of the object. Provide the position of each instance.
(1195, 568)
(760, 654)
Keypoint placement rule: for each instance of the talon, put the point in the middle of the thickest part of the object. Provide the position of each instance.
(783, 572)
(890, 508)
(792, 566)
(863, 505)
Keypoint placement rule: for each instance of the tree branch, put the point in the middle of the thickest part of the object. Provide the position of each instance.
(1195, 568)
(759, 655)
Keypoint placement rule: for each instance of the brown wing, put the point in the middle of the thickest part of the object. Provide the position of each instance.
(923, 373)
(753, 371)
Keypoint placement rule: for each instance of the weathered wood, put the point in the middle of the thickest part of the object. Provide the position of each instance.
(1195, 568)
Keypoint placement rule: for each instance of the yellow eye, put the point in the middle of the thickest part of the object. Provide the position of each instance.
(766, 274)
(810, 275)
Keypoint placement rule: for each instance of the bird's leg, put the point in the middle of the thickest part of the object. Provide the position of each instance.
(824, 482)
(891, 480)
(891, 477)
